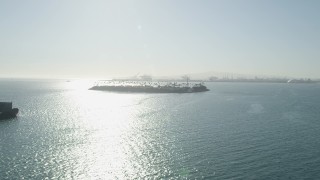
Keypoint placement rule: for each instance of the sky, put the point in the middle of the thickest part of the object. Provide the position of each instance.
(104, 38)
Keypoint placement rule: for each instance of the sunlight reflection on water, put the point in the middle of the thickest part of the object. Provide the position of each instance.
(117, 146)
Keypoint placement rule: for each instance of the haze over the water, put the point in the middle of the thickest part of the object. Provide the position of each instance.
(97, 39)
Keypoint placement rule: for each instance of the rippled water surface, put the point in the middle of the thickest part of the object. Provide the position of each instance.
(234, 131)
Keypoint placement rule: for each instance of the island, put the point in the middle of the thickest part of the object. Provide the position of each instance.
(149, 87)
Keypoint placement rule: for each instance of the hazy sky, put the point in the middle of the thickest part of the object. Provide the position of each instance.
(97, 39)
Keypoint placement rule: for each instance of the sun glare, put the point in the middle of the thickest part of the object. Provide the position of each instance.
(110, 119)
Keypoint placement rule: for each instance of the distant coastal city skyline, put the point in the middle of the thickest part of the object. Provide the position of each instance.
(205, 76)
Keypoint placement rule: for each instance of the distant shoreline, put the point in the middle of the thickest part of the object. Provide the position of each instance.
(267, 81)
(298, 81)
(304, 81)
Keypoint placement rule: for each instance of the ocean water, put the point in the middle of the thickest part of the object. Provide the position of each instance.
(234, 131)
